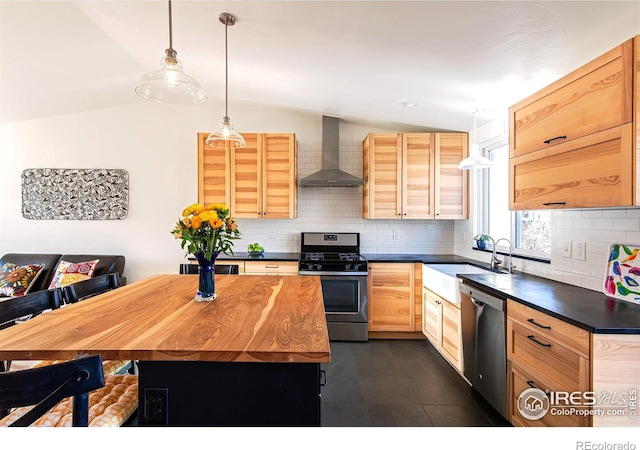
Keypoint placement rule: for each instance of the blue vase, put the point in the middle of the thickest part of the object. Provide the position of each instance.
(481, 245)
(206, 278)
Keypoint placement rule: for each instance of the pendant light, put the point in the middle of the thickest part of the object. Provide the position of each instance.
(475, 160)
(226, 134)
(169, 84)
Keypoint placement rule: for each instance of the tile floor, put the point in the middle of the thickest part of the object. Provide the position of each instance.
(398, 383)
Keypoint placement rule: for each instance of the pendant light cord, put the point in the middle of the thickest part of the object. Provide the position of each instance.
(226, 71)
(170, 29)
(475, 127)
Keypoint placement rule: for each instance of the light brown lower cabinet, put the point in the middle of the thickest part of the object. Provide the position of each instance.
(551, 355)
(441, 325)
(392, 296)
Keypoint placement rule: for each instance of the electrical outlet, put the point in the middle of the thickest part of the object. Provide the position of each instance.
(272, 233)
(566, 249)
(156, 406)
(581, 251)
(396, 235)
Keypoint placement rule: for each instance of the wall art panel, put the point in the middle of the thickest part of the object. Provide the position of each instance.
(75, 194)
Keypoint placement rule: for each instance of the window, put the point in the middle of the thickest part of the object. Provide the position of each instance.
(528, 231)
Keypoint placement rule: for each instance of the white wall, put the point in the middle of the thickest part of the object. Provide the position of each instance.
(157, 145)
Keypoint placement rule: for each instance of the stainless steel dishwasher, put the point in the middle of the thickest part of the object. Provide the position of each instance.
(484, 345)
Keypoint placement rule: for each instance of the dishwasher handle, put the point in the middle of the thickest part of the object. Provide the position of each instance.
(482, 298)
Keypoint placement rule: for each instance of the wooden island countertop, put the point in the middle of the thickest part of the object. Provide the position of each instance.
(254, 319)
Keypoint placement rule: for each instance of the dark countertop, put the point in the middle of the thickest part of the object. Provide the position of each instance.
(421, 258)
(584, 308)
(244, 256)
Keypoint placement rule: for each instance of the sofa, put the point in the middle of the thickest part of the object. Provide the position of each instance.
(53, 265)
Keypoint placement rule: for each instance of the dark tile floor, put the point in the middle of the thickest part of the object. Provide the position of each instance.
(398, 383)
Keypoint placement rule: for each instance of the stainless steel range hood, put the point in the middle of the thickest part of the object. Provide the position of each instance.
(330, 175)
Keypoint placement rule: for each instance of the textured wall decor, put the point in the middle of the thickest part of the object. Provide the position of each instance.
(75, 194)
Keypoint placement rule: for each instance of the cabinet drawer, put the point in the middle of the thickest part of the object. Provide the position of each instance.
(550, 328)
(546, 358)
(593, 171)
(271, 267)
(591, 99)
(520, 381)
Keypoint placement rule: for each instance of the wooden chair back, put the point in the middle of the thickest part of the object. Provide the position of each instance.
(45, 386)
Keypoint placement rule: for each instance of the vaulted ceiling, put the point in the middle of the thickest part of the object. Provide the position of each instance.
(356, 60)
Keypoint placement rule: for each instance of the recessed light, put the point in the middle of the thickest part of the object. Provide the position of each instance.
(408, 103)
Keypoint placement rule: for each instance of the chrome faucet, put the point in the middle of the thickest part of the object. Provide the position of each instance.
(509, 267)
(495, 261)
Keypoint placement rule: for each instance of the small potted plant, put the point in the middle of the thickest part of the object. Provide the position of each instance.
(481, 241)
(255, 249)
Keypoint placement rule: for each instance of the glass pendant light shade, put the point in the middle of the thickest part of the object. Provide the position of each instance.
(226, 134)
(170, 85)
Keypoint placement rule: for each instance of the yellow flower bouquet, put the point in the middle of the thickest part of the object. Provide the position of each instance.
(207, 230)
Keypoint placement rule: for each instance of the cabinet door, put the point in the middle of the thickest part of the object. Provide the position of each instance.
(593, 171)
(213, 173)
(382, 195)
(451, 334)
(279, 187)
(391, 297)
(593, 98)
(246, 178)
(417, 176)
(432, 317)
(451, 183)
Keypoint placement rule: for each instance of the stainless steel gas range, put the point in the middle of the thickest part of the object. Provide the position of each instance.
(336, 259)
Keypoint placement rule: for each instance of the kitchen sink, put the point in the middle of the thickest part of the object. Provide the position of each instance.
(442, 280)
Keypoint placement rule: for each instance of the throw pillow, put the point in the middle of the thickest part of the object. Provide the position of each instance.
(15, 280)
(69, 272)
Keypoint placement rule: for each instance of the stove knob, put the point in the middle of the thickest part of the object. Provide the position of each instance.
(347, 267)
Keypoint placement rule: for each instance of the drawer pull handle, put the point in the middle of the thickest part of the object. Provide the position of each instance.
(548, 141)
(554, 203)
(546, 327)
(271, 267)
(532, 337)
(532, 384)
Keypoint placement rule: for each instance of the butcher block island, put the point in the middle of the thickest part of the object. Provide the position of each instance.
(250, 358)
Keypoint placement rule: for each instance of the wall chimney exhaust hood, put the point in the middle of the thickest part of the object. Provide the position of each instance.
(330, 175)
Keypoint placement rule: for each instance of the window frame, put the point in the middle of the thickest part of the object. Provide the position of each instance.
(482, 219)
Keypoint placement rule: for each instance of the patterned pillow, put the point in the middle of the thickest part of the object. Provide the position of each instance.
(69, 272)
(15, 281)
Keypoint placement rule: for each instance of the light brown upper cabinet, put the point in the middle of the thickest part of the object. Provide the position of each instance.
(256, 181)
(414, 176)
(573, 144)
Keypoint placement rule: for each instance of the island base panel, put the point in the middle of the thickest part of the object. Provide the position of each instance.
(191, 393)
